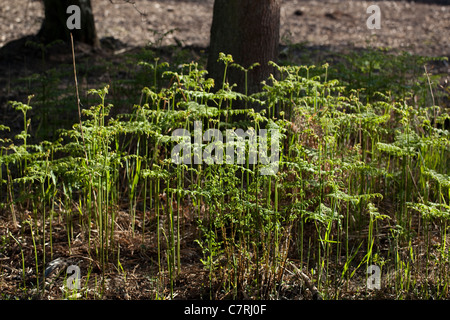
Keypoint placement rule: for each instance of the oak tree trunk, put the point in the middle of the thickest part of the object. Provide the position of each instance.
(54, 26)
(249, 30)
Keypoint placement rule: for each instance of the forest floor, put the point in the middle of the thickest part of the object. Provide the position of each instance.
(312, 28)
(311, 32)
(331, 23)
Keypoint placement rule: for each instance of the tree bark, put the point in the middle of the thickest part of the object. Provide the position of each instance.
(54, 26)
(249, 30)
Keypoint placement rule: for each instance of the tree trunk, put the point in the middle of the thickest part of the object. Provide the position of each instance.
(54, 26)
(249, 30)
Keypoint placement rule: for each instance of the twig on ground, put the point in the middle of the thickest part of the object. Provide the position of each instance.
(308, 282)
(134, 5)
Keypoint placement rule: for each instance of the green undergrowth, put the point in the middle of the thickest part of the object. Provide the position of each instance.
(362, 179)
